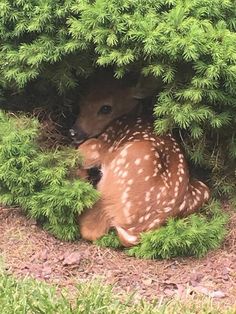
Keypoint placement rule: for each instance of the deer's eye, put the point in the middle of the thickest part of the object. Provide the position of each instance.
(106, 109)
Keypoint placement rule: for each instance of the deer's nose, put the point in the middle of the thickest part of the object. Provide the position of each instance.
(72, 132)
(78, 135)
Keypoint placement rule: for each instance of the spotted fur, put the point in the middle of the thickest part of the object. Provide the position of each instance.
(145, 180)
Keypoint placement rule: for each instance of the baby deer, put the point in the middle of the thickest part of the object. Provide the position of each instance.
(145, 178)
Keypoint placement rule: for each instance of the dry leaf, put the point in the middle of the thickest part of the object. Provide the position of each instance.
(72, 259)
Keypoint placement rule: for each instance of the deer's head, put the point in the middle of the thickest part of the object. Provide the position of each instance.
(106, 101)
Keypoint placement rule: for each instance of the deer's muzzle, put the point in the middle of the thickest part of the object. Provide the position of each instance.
(78, 136)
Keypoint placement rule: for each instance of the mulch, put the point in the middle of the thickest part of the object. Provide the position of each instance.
(28, 250)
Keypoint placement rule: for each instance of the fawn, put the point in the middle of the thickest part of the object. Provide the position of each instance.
(145, 177)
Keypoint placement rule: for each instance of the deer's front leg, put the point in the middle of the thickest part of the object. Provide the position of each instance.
(94, 222)
(82, 173)
(91, 153)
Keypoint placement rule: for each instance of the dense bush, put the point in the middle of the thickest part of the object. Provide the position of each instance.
(194, 235)
(187, 45)
(39, 180)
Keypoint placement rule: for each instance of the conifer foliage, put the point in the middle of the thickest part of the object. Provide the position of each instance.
(194, 235)
(39, 181)
(189, 46)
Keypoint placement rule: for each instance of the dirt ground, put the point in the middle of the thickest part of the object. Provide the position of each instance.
(29, 250)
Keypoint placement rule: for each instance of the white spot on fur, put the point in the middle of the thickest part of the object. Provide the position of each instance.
(125, 173)
(120, 173)
(147, 216)
(152, 225)
(182, 206)
(147, 196)
(128, 205)
(124, 153)
(171, 202)
(157, 220)
(202, 184)
(120, 161)
(128, 237)
(141, 219)
(137, 161)
(130, 182)
(206, 195)
(124, 196)
(158, 195)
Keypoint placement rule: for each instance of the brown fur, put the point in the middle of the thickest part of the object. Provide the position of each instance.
(145, 180)
(109, 91)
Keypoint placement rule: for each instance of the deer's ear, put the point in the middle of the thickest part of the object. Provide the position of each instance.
(145, 87)
(138, 93)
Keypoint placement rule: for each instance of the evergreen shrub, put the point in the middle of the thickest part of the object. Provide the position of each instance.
(188, 46)
(194, 235)
(38, 180)
(41, 182)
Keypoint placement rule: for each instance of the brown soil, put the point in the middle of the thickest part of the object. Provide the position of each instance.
(29, 250)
